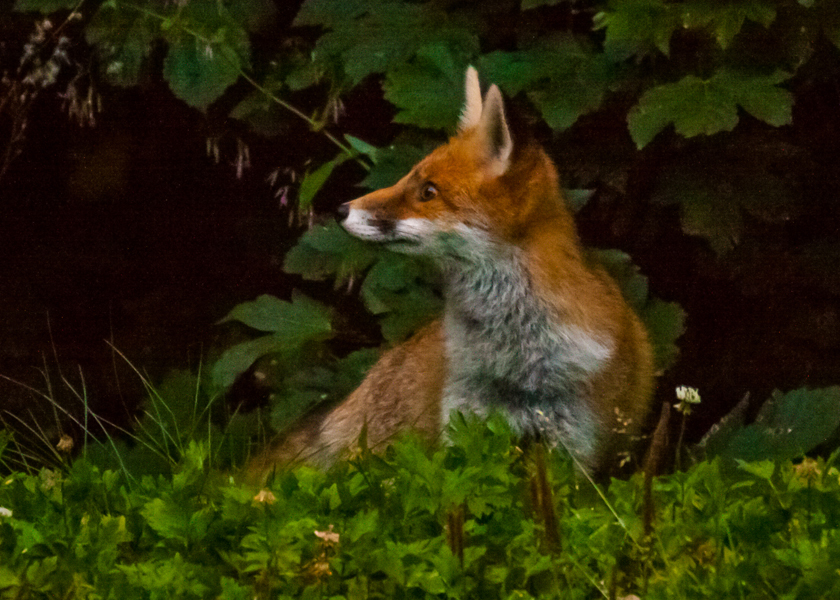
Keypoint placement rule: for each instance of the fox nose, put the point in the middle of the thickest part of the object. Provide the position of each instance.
(342, 212)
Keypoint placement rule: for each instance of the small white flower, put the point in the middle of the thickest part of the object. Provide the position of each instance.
(266, 497)
(5, 512)
(329, 536)
(688, 394)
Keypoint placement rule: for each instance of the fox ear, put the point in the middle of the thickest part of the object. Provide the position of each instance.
(494, 134)
(471, 113)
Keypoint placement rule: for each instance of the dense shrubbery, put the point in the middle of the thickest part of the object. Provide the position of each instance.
(480, 518)
(696, 98)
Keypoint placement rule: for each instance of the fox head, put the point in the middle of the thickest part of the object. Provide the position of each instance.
(468, 196)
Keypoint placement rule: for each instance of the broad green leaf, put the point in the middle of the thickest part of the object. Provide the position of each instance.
(236, 360)
(198, 72)
(664, 321)
(726, 19)
(379, 35)
(303, 75)
(693, 105)
(429, 90)
(168, 518)
(696, 106)
(306, 387)
(637, 27)
(562, 76)
(788, 426)
(401, 288)
(713, 189)
(293, 324)
(762, 469)
(712, 216)
(296, 321)
(561, 105)
(8, 578)
(233, 590)
(577, 199)
(760, 96)
(620, 266)
(329, 251)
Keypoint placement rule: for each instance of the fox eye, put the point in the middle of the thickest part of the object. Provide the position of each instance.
(428, 192)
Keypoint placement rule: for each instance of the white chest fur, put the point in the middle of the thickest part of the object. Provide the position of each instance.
(509, 351)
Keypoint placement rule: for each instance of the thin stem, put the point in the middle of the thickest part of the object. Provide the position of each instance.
(256, 85)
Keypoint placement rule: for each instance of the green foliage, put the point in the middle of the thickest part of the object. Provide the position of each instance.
(639, 27)
(375, 36)
(698, 66)
(206, 54)
(458, 522)
(787, 426)
(291, 326)
(562, 75)
(696, 106)
(429, 89)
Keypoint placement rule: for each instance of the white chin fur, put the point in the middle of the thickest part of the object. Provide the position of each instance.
(417, 230)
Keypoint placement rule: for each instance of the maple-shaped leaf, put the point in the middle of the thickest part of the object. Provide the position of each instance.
(295, 321)
(637, 27)
(715, 186)
(429, 89)
(698, 106)
(562, 76)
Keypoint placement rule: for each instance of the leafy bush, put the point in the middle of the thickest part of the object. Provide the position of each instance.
(702, 90)
(478, 518)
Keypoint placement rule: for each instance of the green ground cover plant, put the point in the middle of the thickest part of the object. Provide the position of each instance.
(480, 517)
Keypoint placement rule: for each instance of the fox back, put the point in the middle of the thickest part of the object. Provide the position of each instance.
(530, 327)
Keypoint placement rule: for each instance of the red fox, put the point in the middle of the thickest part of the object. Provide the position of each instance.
(530, 327)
